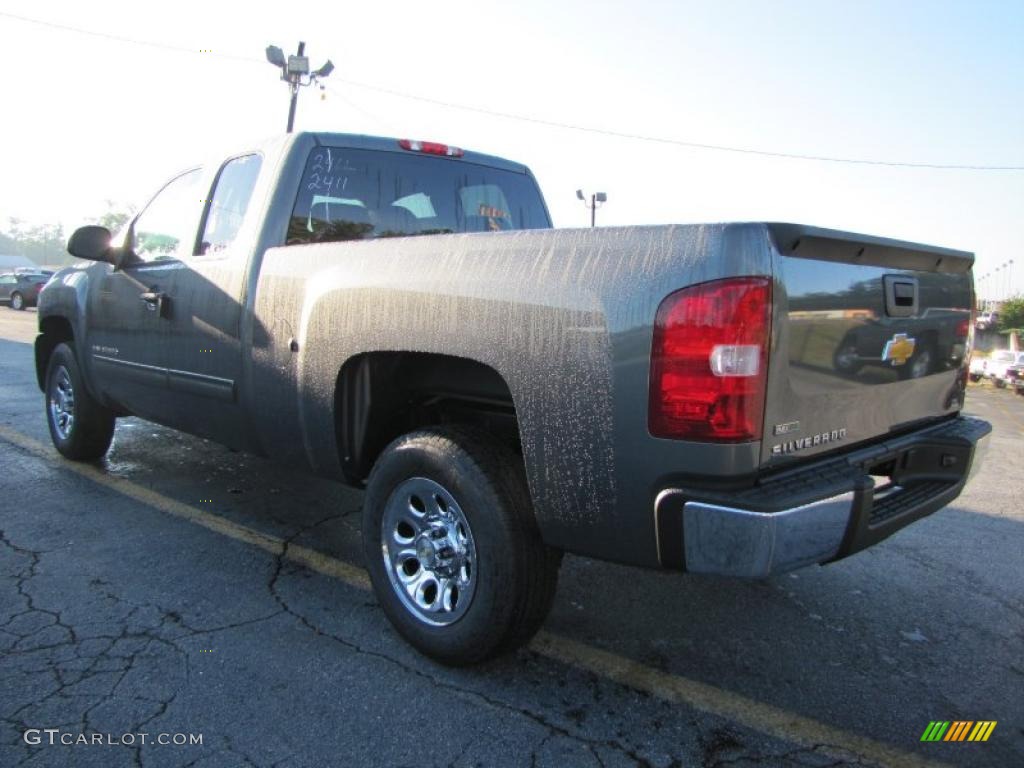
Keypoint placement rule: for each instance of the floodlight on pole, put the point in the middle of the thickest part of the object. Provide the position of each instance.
(596, 200)
(275, 56)
(296, 72)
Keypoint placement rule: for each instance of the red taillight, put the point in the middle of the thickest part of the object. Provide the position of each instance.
(963, 328)
(709, 361)
(430, 148)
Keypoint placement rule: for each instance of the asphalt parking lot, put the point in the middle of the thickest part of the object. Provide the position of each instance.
(179, 589)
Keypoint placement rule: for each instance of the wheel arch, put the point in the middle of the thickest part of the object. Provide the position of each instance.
(53, 330)
(379, 396)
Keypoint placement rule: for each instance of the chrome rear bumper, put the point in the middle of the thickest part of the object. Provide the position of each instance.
(738, 542)
(930, 470)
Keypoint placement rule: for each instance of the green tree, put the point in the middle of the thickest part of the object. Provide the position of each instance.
(116, 216)
(46, 244)
(1011, 314)
(43, 243)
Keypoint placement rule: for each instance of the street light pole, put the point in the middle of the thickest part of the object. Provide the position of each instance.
(294, 87)
(293, 70)
(596, 200)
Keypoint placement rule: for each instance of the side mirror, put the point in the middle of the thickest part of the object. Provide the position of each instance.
(91, 242)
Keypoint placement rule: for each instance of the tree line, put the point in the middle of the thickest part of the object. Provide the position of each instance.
(46, 244)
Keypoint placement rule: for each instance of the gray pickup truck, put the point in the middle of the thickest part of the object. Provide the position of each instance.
(733, 399)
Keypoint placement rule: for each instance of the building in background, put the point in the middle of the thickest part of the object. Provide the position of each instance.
(10, 263)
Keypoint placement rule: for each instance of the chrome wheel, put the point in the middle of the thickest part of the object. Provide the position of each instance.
(921, 364)
(17, 302)
(429, 552)
(847, 360)
(62, 403)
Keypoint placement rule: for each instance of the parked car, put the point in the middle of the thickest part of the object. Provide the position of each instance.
(999, 362)
(20, 290)
(986, 321)
(399, 315)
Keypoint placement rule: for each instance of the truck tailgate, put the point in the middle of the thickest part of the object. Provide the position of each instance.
(869, 339)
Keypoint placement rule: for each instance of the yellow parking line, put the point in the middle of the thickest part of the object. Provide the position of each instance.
(764, 718)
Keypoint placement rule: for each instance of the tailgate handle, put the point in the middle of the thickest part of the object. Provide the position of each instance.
(901, 295)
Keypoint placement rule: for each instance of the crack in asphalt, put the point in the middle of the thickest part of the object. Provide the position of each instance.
(724, 741)
(109, 658)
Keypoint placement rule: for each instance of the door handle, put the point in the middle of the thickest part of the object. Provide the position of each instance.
(155, 301)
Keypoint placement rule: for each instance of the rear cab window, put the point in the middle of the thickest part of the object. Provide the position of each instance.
(355, 194)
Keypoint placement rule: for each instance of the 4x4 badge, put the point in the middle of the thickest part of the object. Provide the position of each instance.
(898, 349)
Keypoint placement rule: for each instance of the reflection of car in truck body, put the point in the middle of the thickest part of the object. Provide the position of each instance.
(986, 321)
(977, 367)
(656, 396)
(1000, 364)
(1015, 377)
(934, 340)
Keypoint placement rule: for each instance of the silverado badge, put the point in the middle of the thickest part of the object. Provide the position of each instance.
(898, 349)
(813, 441)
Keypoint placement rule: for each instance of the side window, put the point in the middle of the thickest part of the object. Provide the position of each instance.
(165, 228)
(231, 195)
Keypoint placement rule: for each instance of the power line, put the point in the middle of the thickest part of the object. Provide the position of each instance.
(121, 39)
(541, 121)
(676, 142)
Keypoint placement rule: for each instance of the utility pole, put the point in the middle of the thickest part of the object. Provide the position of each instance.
(293, 70)
(294, 88)
(596, 200)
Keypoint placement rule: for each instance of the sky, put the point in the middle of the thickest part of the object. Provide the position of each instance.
(89, 118)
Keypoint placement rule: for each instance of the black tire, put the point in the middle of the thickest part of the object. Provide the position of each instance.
(846, 359)
(91, 429)
(516, 573)
(975, 377)
(918, 366)
(17, 301)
